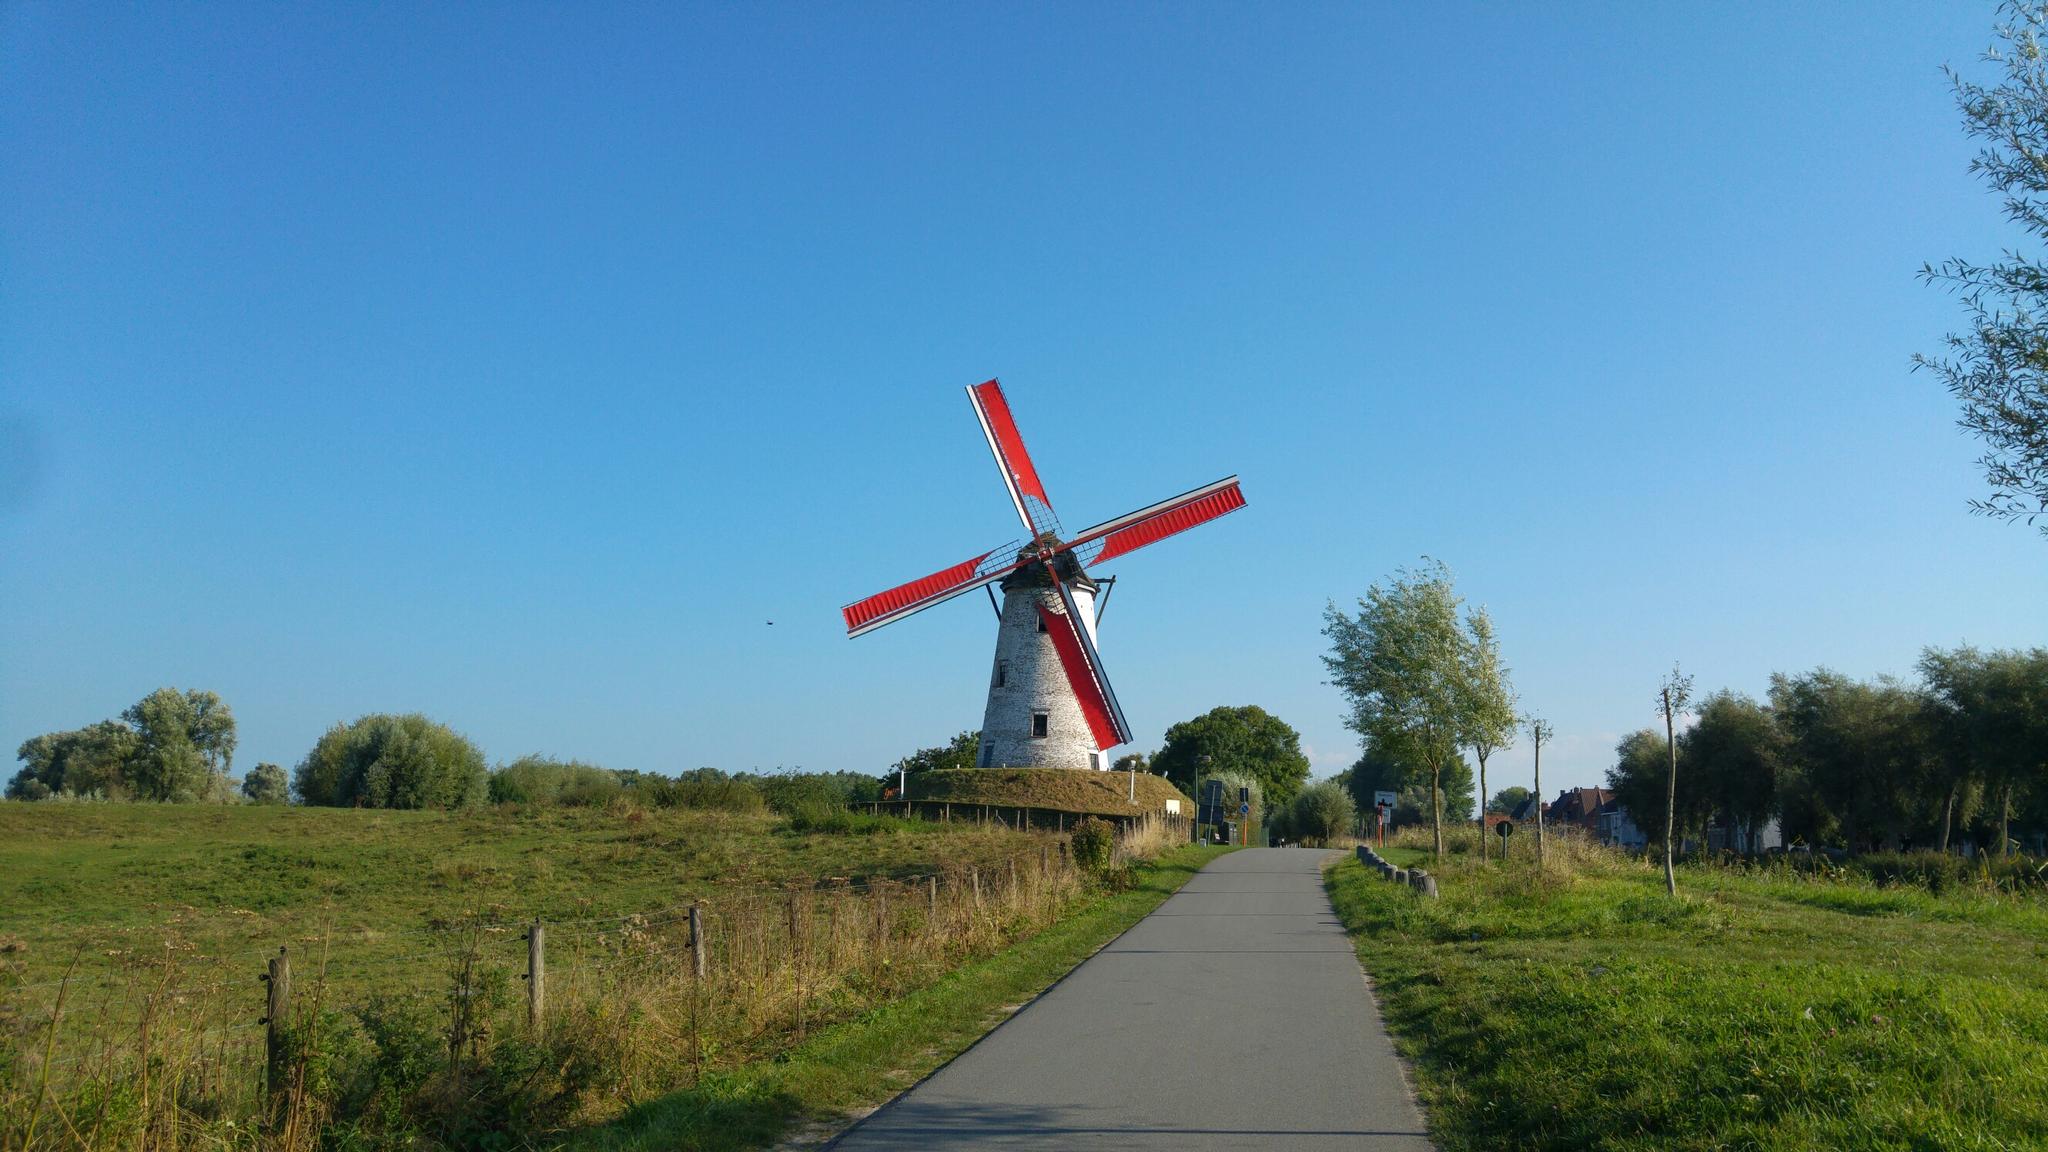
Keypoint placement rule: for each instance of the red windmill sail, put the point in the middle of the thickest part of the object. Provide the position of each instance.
(1109, 540)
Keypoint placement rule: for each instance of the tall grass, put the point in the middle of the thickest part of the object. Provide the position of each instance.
(171, 1054)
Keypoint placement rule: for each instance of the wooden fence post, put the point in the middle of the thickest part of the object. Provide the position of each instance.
(974, 877)
(931, 903)
(697, 948)
(881, 923)
(536, 974)
(277, 1015)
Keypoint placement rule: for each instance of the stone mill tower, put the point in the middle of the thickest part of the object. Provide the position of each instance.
(1034, 718)
(1049, 701)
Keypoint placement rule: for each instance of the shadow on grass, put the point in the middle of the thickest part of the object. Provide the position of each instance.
(719, 1112)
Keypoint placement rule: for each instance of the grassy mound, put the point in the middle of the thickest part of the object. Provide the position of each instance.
(1056, 789)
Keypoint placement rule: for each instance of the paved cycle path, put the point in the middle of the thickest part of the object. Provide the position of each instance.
(1234, 1016)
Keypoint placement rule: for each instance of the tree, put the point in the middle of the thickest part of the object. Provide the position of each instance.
(1488, 721)
(1249, 740)
(1998, 368)
(184, 741)
(91, 761)
(1862, 750)
(1322, 811)
(1672, 697)
(387, 761)
(1133, 762)
(1401, 664)
(1734, 752)
(1539, 735)
(1637, 777)
(962, 751)
(1508, 799)
(1991, 709)
(266, 784)
(1954, 686)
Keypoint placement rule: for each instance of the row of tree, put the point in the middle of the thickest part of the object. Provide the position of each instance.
(1876, 765)
(179, 747)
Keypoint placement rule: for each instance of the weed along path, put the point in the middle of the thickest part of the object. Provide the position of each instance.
(1234, 1016)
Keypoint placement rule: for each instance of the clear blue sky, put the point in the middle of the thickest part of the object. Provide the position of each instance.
(516, 365)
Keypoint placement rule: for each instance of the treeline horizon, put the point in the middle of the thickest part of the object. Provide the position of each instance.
(177, 746)
(1877, 765)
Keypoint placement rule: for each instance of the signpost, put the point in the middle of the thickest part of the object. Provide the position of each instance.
(1383, 803)
(1505, 829)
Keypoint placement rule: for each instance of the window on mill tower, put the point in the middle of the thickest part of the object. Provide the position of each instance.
(1002, 673)
(1039, 722)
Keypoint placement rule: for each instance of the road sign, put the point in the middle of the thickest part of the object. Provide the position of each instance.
(1504, 829)
(1244, 809)
(1385, 799)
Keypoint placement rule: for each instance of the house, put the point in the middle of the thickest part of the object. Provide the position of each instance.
(1613, 825)
(1579, 806)
(1747, 840)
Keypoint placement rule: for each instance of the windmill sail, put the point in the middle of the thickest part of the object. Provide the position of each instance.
(1027, 492)
(1083, 665)
(925, 591)
(1132, 531)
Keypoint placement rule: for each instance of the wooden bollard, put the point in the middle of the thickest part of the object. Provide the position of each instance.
(536, 974)
(697, 948)
(277, 1017)
(974, 878)
(931, 903)
(796, 935)
(882, 923)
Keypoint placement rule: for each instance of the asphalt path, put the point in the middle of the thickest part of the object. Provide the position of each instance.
(1234, 1016)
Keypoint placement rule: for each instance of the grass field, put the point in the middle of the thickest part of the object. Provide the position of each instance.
(114, 883)
(1586, 1009)
(134, 936)
(835, 963)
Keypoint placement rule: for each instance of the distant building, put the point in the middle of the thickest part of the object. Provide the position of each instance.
(1613, 825)
(1749, 841)
(1580, 806)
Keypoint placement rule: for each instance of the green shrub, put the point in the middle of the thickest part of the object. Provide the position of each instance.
(817, 815)
(786, 792)
(385, 761)
(543, 780)
(266, 784)
(1094, 843)
(704, 788)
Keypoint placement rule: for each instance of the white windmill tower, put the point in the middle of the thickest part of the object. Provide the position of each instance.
(1049, 702)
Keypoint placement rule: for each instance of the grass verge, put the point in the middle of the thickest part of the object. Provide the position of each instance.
(865, 1061)
(1583, 1008)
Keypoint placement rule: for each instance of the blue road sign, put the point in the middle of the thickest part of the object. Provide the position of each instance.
(1244, 809)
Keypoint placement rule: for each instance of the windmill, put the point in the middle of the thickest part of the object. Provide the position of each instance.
(1049, 702)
